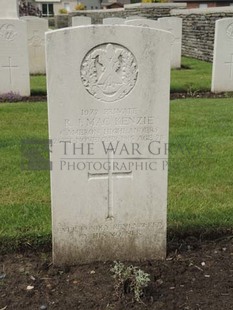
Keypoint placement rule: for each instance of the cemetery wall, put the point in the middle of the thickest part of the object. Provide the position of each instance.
(198, 30)
(51, 21)
(153, 11)
(198, 24)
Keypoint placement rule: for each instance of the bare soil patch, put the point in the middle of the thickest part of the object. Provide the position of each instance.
(195, 276)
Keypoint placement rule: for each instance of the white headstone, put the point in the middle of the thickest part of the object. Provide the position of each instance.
(132, 17)
(143, 23)
(14, 67)
(113, 21)
(108, 120)
(9, 9)
(81, 20)
(36, 28)
(173, 25)
(222, 73)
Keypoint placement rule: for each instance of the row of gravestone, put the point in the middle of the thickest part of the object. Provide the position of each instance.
(16, 54)
(108, 103)
(11, 29)
(222, 73)
(108, 98)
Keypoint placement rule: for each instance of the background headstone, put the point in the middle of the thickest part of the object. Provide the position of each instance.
(14, 67)
(109, 201)
(113, 21)
(36, 28)
(9, 9)
(143, 23)
(222, 73)
(132, 17)
(81, 20)
(173, 25)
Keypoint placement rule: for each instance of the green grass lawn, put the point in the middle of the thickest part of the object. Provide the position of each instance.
(200, 173)
(25, 199)
(38, 85)
(201, 154)
(194, 76)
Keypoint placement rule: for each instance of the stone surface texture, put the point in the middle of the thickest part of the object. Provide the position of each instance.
(222, 73)
(173, 25)
(109, 201)
(143, 23)
(9, 9)
(36, 29)
(113, 21)
(81, 21)
(14, 65)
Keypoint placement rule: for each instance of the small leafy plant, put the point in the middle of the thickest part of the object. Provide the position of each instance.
(191, 91)
(10, 97)
(129, 279)
(27, 8)
(63, 11)
(80, 6)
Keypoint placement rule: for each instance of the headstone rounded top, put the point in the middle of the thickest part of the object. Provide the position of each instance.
(113, 21)
(133, 17)
(81, 20)
(143, 23)
(109, 72)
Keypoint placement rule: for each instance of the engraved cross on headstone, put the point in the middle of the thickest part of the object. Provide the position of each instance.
(231, 66)
(110, 175)
(10, 67)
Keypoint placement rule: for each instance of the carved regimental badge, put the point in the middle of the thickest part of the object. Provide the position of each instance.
(8, 32)
(229, 31)
(109, 72)
(36, 40)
